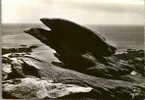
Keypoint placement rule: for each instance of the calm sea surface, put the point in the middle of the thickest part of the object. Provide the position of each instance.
(121, 36)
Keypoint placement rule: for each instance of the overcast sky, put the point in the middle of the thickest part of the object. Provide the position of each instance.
(113, 12)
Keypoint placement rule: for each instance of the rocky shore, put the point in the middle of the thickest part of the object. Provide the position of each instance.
(28, 77)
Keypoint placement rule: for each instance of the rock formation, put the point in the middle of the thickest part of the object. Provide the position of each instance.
(24, 76)
(71, 41)
(86, 67)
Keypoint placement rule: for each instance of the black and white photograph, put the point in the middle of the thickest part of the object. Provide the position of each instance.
(72, 49)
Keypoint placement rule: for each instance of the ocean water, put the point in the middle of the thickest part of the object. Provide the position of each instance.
(122, 37)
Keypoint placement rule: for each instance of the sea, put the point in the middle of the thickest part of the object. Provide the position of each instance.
(123, 37)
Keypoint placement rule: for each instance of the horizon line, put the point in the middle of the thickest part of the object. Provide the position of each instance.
(85, 24)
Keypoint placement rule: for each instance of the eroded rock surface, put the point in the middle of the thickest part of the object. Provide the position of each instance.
(25, 76)
(39, 88)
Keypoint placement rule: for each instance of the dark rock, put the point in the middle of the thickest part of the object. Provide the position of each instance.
(65, 37)
(21, 49)
(15, 67)
(119, 80)
(134, 58)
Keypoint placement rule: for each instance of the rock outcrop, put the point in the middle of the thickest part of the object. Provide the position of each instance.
(71, 40)
(28, 77)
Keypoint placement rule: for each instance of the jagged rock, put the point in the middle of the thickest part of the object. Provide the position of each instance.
(15, 67)
(119, 80)
(21, 49)
(134, 58)
(37, 88)
(65, 36)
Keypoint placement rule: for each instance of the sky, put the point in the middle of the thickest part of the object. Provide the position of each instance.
(105, 12)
